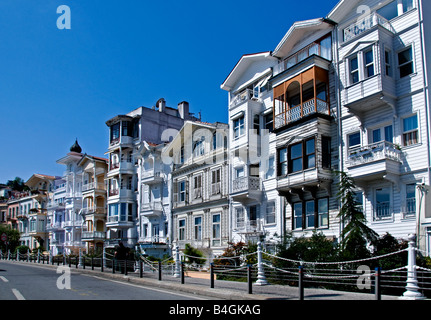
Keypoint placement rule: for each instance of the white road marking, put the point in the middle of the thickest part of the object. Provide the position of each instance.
(153, 289)
(4, 279)
(18, 294)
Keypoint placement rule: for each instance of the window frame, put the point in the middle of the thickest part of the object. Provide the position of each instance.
(270, 213)
(355, 145)
(401, 65)
(216, 229)
(352, 71)
(197, 228)
(239, 127)
(367, 65)
(408, 213)
(239, 217)
(182, 223)
(411, 131)
(382, 217)
(292, 160)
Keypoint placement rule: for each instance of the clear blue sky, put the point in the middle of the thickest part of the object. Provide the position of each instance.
(58, 85)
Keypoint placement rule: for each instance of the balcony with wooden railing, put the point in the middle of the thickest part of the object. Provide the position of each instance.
(296, 113)
(301, 97)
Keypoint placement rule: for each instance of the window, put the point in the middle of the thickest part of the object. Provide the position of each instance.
(269, 122)
(254, 213)
(369, 63)
(359, 199)
(388, 63)
(354, 70)
(354, 139)
(238, 127)
(295, 158)
(407, 5)
(256, 124)
(382, 207)
(216, 234)
(309, 214)
(323, 212)
(182, 191)
(326, 152)
(215, 181)
(410, 131)
(197, 186)
(270, 170)
(115, 132)
(218, 140)
(410, 199)
(270, 212)
(405, 62)
(182, 229)
(383, 134)
(145, 230)
(198, 228)
(199, 147)
(282, 162)
(239, 217)
(239, 172)
(126, 129)
(310, 154)
(389, 11)
(297, 215)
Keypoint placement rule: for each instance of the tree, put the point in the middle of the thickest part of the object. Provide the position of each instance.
(17, 184)
(356, 235)
(193, 255)
(13, 237)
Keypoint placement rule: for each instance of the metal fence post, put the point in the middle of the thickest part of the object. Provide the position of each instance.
(160, 270)
(412, 288)
(249, 279)
(377, 290)
(141, 269)
(182, 272)
(212, 275)
(177, 262)
(301, 282)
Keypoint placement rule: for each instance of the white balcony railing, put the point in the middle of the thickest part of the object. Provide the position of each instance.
(152, 206)
(243, 96)
(93, 210)
(93, 185)
(90, 235)
(365, 24)
(373, 152)
(246, 184)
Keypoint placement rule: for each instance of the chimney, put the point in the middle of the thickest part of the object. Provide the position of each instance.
(161, 104)
(183, 110)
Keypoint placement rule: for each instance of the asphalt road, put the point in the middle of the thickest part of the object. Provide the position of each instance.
(33, 282)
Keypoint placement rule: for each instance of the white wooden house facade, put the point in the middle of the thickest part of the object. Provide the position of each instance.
(384, 110)
(200, 171)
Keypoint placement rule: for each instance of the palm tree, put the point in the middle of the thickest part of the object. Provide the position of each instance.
(356, 235)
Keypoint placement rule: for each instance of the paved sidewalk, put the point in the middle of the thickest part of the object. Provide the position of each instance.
(223, 290)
